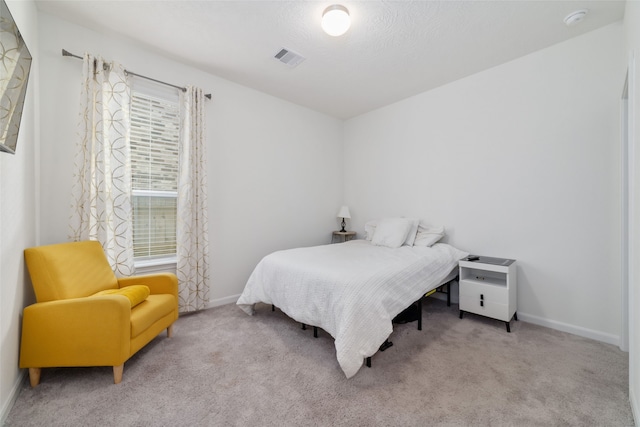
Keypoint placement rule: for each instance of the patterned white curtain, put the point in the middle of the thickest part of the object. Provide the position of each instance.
(101, 202)
(192, 228)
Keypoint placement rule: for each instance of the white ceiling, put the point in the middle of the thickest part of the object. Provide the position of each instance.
(393, 50)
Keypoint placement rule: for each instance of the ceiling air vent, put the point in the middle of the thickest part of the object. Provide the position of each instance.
(289, 57)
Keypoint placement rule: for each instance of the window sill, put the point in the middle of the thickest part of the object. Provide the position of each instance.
(158, 265)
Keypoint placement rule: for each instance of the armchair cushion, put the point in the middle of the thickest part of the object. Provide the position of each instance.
(69, 270)
(135, 294)
(149, 311)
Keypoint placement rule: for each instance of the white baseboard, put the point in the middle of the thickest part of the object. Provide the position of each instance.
(552, 324)
(223, 301)
(635, 410)
(536, 320)
(572, 329)
(13, 395)
(564, 327)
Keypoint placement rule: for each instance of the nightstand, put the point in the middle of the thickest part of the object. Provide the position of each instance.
(488, 288)
(343, 236)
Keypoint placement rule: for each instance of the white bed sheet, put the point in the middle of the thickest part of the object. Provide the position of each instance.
(352, 290)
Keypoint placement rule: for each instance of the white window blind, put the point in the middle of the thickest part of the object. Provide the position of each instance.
(155, 130)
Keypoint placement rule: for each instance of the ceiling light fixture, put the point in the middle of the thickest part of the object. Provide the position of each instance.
(336, 20)
(574, 17)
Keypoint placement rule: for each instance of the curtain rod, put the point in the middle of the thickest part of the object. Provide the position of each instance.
(67, 53)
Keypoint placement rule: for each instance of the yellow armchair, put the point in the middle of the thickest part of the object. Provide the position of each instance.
(75, 323)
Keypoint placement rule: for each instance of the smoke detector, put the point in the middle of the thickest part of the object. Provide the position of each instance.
(575, 17)
(289, 57)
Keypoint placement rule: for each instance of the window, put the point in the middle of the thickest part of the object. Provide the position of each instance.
(155, 133)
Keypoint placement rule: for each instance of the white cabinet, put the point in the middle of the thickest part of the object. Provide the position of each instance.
(488, 287)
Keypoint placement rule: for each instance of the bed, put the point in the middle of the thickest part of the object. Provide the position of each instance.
(352, 290)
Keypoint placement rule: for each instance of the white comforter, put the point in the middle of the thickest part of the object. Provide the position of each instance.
(352, 290)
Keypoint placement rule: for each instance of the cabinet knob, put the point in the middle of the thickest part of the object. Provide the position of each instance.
(481, 303)
(481, 296)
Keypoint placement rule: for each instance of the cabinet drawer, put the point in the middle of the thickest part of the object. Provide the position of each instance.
(488, 309)
(494, 293)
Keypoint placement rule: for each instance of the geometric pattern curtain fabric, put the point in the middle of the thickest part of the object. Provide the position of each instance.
(102, 190)
(101, 193)
(192, 224)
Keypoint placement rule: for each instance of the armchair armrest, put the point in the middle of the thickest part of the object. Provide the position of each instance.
(160, 283)
(90, 331)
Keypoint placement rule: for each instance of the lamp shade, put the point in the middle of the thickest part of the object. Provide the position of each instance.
(344, 212)
(336, 20)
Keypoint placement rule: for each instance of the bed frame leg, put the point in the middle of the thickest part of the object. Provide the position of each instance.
(449, 292)
(304, 327)
(420, 314)
(315, 332)
(385, 345)
(369, 362)
(273, 307)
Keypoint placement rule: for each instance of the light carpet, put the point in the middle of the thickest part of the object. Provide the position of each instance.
(224, 368)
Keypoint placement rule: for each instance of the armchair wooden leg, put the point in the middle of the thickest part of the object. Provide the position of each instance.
(34, 376)
(117, 373)
(170, 331)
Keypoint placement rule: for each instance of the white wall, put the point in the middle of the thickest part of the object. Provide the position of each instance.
(519, 161)
(632, 32)
(548, 122)
(18, 217)
(275, 172)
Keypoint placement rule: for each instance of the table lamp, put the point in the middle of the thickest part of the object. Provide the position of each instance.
(344, 213)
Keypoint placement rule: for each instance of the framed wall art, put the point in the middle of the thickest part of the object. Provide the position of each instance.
(15, 65)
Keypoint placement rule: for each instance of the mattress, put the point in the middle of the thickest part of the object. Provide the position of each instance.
(352, 290)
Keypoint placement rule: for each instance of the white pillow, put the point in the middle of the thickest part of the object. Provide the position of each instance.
(413, 231)
(369, 229)
(391, 232)
(428, 235)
